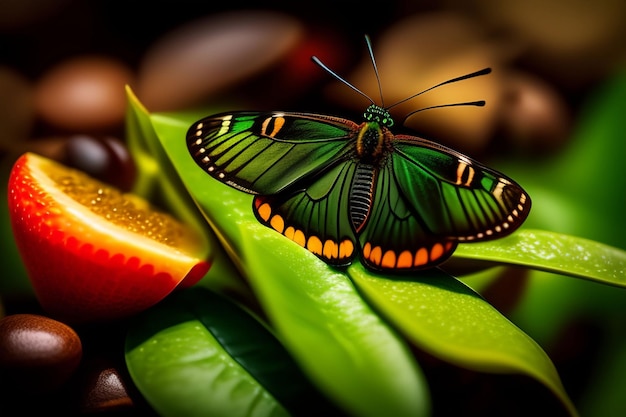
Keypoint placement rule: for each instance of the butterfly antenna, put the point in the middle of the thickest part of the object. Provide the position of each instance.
(334, 74)
(483, 71)
(371, 52)
(480, 103)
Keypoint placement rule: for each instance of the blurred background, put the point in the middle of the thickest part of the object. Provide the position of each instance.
(553, 119)
(547, 57)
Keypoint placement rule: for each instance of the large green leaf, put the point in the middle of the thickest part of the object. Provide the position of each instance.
(553, 252)
(295, 287)
(198, 354)
(448, 320)
(340, 342)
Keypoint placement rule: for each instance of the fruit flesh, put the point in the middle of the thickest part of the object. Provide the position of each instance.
(119, 217)
(84, 264)
(120, 209)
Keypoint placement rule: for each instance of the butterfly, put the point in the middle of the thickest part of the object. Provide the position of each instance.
(347, 190)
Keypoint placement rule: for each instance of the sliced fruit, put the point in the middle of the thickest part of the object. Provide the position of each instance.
(92, 252)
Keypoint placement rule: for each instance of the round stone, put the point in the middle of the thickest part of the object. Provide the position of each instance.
(36, 352)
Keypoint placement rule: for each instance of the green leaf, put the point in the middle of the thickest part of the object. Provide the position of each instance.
(158, 182)
(198, 354)
(553, 252)
(447, 319)
(346, 349)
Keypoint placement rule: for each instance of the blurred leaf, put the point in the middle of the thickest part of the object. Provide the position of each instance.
(197, 354)
(606, 387)
(342, 345)
(553, 252)
(580, 190)
(14, 280)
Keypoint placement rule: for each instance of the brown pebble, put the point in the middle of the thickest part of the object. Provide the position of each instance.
(102, 387)
(37, 353)
(572, 42)
(533, 114)
(84, 94)
(108, 391)
(193, 62)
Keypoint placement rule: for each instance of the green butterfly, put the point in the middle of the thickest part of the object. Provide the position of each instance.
(342, 189)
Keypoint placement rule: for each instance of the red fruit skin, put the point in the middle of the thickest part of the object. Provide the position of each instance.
(74, 281)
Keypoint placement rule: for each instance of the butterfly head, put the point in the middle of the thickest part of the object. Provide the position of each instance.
(378, 115)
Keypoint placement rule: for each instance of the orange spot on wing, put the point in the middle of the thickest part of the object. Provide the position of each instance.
(265, 211)
(289, 232)
(421, 257)
(405, 260)
(278, 223)
(330, 249)
(389, 259)
(314, 244)
(278, 124)
(436, 252)
(346, 248)
(376, 255)
(367, 249)
(299, 237)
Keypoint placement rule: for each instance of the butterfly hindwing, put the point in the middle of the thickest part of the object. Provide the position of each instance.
(396, 237)
(315, 215)
(266, 152)
(427, 198)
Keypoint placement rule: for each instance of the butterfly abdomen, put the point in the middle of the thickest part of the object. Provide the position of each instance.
(361, 195)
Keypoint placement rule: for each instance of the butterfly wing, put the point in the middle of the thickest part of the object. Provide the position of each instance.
(266, 153)
(316, 215)
(428, 198)
(396, 236)
(466, 200)
(299, 165)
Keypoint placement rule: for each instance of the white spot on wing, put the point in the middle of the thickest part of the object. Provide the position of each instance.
(226, 120)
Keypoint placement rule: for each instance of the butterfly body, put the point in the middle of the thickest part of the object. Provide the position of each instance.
(342, 189)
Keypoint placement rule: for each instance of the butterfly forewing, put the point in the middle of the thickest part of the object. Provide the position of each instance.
(456, 197)
(265, 153)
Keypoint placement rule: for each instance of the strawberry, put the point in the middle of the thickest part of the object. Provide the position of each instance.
(92, 252)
